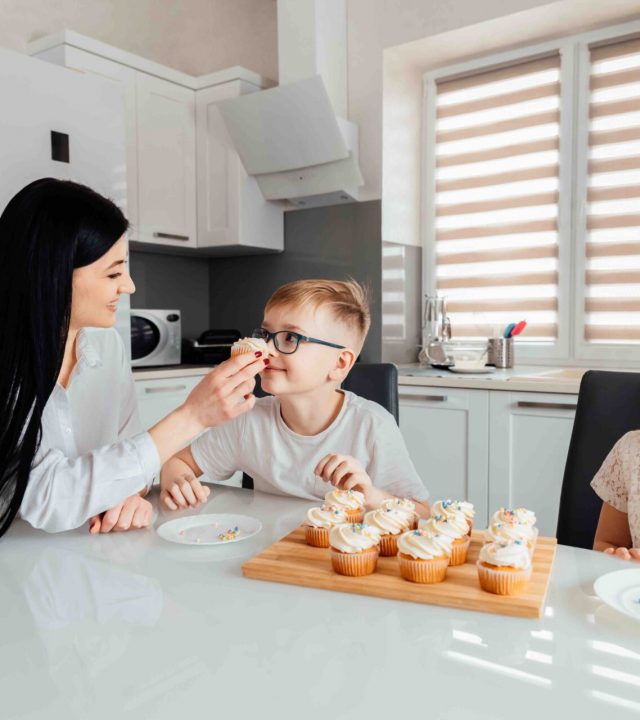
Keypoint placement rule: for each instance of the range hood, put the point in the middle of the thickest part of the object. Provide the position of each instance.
(290, 138)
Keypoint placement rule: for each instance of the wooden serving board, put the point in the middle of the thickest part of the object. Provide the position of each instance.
(292, 561)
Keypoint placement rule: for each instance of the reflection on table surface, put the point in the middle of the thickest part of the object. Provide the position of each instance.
(129, 625)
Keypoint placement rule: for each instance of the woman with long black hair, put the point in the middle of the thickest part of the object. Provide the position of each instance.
(71, 445)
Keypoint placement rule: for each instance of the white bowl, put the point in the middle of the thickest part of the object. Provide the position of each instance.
(466, 355)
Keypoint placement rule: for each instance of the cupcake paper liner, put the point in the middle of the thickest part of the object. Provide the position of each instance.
(316, 536)
(423, 571)
(502, 581)
(459, 551)
(388, 545)
(354, 564)
(355, 516)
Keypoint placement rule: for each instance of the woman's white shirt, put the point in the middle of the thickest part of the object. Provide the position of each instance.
(93, 453)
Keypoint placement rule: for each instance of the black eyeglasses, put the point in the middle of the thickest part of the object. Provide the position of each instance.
(287, 341)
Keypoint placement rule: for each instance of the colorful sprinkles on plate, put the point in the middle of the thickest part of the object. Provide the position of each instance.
(230, 534)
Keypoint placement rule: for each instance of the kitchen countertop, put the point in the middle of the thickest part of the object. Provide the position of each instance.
(127, 625)
(517, 379)
(169, 371)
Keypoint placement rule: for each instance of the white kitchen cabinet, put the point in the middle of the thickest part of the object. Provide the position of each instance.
(157, 398)
(166, 162)
(446, 432)
(233, 216)
(186, 187)
(495, 448)
(124, 78)
(528, 443)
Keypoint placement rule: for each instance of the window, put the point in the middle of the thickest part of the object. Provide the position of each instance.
(532, 195)
(612, 272)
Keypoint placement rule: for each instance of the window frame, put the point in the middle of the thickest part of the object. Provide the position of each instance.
(570, 346)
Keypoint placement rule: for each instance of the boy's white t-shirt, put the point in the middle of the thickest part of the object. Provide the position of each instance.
(281, 461)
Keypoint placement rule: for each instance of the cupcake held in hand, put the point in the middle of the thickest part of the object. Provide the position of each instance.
(319, 521)
(423, 556)
(249, 345)
(504, 568)
(391, 523)
(351, 501)
(354, 549)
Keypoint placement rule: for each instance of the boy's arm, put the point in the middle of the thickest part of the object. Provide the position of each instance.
(179, 484)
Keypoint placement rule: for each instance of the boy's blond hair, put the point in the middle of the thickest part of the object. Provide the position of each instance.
(347, 300)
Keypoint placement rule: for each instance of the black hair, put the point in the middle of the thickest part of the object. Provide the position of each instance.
(50, 228)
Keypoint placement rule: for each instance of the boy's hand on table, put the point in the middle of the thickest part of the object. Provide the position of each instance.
(345, 473)
(183, 491)
(134, 513)
(624, 553)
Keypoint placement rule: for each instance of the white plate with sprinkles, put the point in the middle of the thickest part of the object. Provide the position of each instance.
(206, 530)
(621, 590)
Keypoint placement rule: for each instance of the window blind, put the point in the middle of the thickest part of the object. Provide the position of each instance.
(612, 281)
(497, 151)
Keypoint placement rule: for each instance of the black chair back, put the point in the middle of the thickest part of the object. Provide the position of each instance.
(608, 408)
(373, 381)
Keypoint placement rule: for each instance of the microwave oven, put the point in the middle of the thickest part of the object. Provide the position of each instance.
(156, 337)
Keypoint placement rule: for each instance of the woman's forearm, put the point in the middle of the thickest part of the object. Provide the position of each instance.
(174, 432)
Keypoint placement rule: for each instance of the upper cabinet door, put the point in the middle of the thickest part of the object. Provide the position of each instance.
(166, 162)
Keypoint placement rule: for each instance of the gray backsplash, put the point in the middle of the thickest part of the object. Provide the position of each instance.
(173, 282)
(331, 242)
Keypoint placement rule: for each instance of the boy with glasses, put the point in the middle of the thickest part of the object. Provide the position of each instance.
(308, 432)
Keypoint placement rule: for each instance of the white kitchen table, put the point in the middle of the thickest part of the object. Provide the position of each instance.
(130, 626)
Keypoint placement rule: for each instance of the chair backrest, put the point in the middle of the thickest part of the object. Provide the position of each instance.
(373, 381)
(608, 408)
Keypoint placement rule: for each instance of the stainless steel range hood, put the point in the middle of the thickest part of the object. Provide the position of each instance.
(290, 138)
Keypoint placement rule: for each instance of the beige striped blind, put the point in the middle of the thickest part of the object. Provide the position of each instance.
(612, 291)
(497, 169)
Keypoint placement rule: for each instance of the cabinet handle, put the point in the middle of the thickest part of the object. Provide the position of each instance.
(434, 398)
(171, 236)
(546, 405)
(164, 388)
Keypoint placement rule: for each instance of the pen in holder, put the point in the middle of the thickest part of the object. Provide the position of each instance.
(500, 352)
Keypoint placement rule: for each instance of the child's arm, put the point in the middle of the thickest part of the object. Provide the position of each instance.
(346, 473)
(179, 484)
(613, 535)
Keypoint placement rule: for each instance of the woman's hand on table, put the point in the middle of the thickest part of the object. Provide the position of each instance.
(132, 514)
(624, 553)
(182, 492)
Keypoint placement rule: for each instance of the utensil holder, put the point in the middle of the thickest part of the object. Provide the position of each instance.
(500, 352)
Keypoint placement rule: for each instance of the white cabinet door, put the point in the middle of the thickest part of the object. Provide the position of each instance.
(157, 398)
(446, 432)
(529, 440)
(124, 78)
(232, 213)
(166, 162)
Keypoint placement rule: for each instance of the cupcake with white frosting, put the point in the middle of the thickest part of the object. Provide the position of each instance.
(391, 523)
(455, 527)
(351, 501)
(455, 508)
(423, 556)
(354, 549)
(249, 345)
(504, 568)
(318, 523)
(403, 505)
(510, 525)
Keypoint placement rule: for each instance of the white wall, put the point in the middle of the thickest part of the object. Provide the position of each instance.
(428, 33)
(195, 36)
